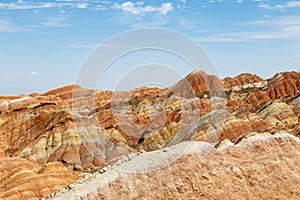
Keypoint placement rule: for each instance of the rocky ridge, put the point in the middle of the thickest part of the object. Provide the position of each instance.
(86, 130)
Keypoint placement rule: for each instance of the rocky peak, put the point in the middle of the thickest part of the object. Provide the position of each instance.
(241, 80)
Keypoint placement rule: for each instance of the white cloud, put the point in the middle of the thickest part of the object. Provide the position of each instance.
(33, 73)
(183, 1)
(27, 5)
(266, 36)
(22, 6)
(289, 4)
(82, 5)
(165, 8)
(138, 8)
(141, 20)
(239, 1)
(129, 7)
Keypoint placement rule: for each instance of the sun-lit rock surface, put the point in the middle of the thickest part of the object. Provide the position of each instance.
(22, 179)
(85, 130)
(243, 81)
(258, 167)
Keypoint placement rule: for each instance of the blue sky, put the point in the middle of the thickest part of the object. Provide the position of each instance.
(43, 43)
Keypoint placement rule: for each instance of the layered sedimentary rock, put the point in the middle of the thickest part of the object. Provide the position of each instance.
(22, 179)
(257, 167)
(85, 130)
(243, 80)
(43, 129)
(197, 84)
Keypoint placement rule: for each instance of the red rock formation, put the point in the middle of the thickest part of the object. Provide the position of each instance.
(43, 129)
(197, 84)
(242, 79)
(65, 92)
(283, 86)
(86, 130)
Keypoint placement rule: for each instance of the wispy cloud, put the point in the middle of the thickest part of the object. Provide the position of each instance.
(33, 73)
(8, 26)
(216, 39)
(7, 73)
(271, 22)
(218, 1)
(139, 7)
(269, 29)
(81, 5)
(140, 20)
(188, 24)
(100, 7)
(127, 6)
(82, 45)
(56, 21)
(286, 27)
(20, 5)
(295, 56)
(283, 6)
(214, 1)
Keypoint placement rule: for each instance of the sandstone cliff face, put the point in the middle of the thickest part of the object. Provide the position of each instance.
(85, 130)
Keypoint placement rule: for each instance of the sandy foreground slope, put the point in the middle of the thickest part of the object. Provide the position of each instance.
(258, 167)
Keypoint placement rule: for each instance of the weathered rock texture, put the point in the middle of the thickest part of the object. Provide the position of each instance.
(258, 167)
(85, 130)
(22, 179)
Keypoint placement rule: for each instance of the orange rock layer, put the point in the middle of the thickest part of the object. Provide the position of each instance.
(85, 130)
(258, 167)
(22, 179)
